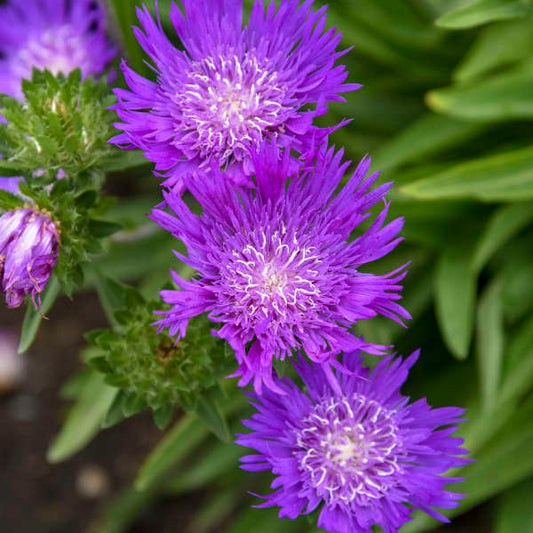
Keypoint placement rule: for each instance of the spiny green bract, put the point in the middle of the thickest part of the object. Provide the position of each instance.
(151, 370)
(61, 125)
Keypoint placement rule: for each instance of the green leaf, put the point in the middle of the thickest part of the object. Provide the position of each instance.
(428, 135)
(490, 343)
(84, 419)
(504, 224)
(9, 201)
(455, 293)
(504, 177)
(103, 228)
(33, 317)
(514, 510)
(209, 412)
(222, 459)
(121, 160)
(482, 12)
(163, 416)
(498, 45)
(115, 413)
(186, 435)
(503, 97)
(113, 295)
(213, 512)
(124, 11)
(8, 169)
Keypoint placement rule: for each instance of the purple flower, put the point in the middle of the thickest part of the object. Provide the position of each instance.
(366, 454)
(231, 87)
(10, 184)
(53, 34)
(278, 266)
(29, 245)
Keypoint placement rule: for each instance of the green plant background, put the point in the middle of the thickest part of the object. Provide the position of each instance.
(446, 112)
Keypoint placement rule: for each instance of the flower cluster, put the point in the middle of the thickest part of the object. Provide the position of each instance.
(281, 242)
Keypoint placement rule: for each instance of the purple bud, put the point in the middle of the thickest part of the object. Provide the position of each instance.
(29, 244)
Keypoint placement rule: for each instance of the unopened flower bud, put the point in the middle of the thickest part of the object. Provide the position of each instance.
(29, 244)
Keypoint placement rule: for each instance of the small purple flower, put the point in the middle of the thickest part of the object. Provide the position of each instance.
(360, 449)
(278, 266)
(53, 34)
(10, 184)
(29, 245)
(231, 87)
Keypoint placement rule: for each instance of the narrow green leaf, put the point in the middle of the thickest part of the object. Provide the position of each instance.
(482, 12)
(124, 160)
(497, 45)
(10, 169)
(213, 512)
(9, 201)
(502, 97)
(514, 510)
(163, 416)
(33, 318)
(428, 135)
(115, 413)
(209, 412)
(113, 295)
(186, 435)
(125, 16)
(504, 224)
(455, 293)
(504, 177)
(84, 419)
(222, 459)
(490, 343)
(103, 228)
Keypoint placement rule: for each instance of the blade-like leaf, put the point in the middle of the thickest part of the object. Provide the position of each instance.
(503, 97)
(501, 178)
(426, 136)
(125, 16)
(482, 12)
(514, 512)
(84, 419)
(497, 45)
(455, 293)
(209, 412)
(174, 448)
(33, 318)
(490, 343)
(504, 224)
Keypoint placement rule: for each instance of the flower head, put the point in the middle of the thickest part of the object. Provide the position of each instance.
(29, 245)
(278, 266)
(231, 87)
(51, 34)
(362, 452)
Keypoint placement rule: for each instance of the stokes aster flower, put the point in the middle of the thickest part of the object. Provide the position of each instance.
(277, 265)
(29, 245)
(54, 34)
(232, 87)
(366, 454)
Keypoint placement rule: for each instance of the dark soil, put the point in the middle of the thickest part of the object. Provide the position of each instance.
(36, 497)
